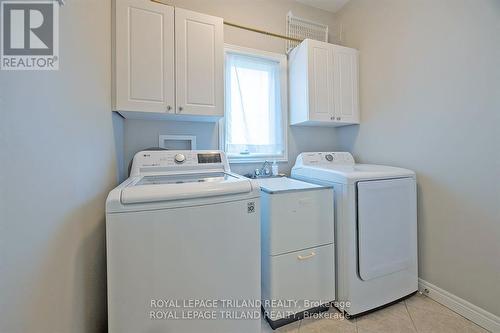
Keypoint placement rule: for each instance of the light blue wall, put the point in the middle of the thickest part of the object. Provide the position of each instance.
(141, 134)
(119, 131)
(58, 163)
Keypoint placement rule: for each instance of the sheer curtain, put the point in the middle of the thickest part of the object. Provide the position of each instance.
(253, 122)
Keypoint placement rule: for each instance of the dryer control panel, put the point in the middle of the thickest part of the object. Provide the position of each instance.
(325, 159)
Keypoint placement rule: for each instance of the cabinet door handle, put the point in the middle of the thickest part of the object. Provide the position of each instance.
(180, 108)
(332, 118)
(169, 108)
(309, 256)
(338, 118)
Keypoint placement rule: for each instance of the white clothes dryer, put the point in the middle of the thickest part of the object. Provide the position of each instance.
(375, 228)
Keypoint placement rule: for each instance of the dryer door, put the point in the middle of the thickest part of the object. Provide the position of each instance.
(387, 226)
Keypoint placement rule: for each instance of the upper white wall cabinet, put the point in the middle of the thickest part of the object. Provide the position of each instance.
(144, 56)
(199, 54)
(149, 81)
(323, 84)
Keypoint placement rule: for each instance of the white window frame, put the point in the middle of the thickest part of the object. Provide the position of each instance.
(282, 60)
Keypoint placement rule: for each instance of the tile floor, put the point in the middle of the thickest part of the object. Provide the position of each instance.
(418, 314)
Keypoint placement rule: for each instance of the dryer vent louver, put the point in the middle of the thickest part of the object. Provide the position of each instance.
(301, 28)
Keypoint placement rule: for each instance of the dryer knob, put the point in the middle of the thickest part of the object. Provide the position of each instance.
(180, 158)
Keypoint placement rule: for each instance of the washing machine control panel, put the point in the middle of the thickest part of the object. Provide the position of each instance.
(325, 159)
(151, 161)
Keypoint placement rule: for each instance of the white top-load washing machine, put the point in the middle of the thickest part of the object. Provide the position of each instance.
(375, 228)
(183, 246)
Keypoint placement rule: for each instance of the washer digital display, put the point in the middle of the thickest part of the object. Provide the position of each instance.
(209, 158)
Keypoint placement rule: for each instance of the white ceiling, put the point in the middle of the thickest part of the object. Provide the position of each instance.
(329, 5)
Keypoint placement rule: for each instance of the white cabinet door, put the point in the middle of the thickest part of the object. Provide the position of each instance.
(199, 63)
(345, 77)
(144, 56)
(320, 81)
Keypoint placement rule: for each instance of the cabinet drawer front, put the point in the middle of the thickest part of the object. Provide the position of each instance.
(303, 276)
(300, 220)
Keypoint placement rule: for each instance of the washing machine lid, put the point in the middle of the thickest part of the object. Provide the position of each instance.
(155, 188)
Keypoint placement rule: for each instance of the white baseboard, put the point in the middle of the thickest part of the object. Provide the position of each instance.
(468, 310)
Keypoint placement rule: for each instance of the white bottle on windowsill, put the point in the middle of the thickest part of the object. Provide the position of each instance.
(274, 169)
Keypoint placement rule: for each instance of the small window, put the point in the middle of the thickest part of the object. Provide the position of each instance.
(255, 119)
